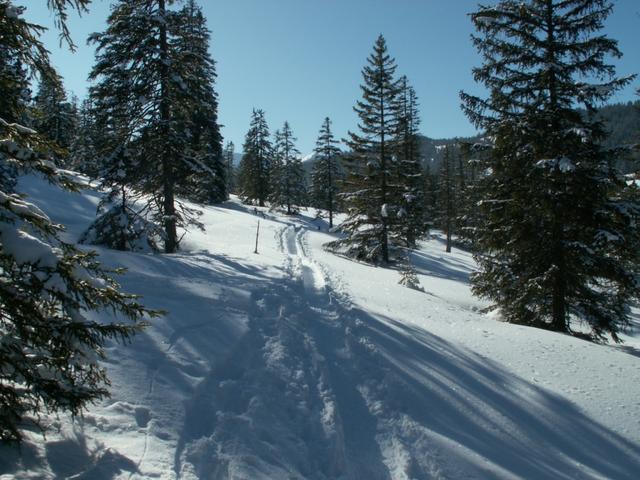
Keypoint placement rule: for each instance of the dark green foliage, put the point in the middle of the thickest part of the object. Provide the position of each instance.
(83, 154)
(327, 172)
(122, 223)
(49, 344)
(408, 274)
(411, 217)
(55, 118)
(205, 176)
(230, 174)
(557, 239)
(154, 97)
(287, 176)
(371, 188)
(467, 176)
(255, 166)
(447, 195)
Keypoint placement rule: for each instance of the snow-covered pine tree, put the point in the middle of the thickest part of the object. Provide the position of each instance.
(140, 72)
(50, 346)
(288, 186)
(205, 179)
(228, 155)
(55, 117)
(326, 171)
(468, 193)
(411, 221)
(122, 222)
(255, 166)
(556, 238)
(408, 273)
(446, 195)
(371, 186)
(15, 95)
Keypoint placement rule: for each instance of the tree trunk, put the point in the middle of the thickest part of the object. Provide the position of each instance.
(168, 203)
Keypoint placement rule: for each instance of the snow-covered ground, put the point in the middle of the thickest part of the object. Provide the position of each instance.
(294, 363)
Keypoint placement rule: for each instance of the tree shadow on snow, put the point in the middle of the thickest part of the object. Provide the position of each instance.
(521, 428)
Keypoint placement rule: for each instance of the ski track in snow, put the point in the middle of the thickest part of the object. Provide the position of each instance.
(307, 380)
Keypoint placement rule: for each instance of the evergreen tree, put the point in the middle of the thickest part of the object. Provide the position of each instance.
(430, 189)
(15, 94)
(154, 97)
(50, 346)
(557, 239)
(287, 176)
(408, 274)
(468, 192)
(255, 166)
(55, 117)
(205, 178)
(228, 156)
(83, 155)
(371, 184)
(411, 222)
(326, 172)
(447, 196)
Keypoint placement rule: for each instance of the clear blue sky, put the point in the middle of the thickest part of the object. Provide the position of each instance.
(300, 60)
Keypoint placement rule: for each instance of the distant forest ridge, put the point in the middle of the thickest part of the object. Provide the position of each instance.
(622, 121)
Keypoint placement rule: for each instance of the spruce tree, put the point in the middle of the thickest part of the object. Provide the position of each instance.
(50, 346)
(156, 98)
(446, 196)
(55, 117)
(287, 176)
(372, 191)
(83, 156)
(557, 240)
(411, 221)
(468, 192)
(255, 166)
(326, 172)
(205, 179)
(228, 158)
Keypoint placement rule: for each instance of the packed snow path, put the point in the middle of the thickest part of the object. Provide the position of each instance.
(319, 389)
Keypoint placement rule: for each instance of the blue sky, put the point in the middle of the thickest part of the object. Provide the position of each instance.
(300, 60)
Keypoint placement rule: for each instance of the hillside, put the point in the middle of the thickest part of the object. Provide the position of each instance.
(295, 363)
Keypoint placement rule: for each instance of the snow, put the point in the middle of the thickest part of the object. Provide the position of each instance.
(297, 363)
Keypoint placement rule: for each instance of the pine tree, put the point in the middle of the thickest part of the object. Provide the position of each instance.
(468, 192)
(14, 87)
(287, 173)
(371, 184)
(408, 274)
(255, 166)
(205, 178)
(556, 238)
(447, 196)
(50, 346)
(326, 172)
(55, 117)
(149, 93)
(228, 156)
(411, 222)
(83, 155)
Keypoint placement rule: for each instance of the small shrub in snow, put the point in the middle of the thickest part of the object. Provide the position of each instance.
(123, 230)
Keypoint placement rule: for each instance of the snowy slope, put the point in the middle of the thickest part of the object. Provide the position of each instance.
(297, 364)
